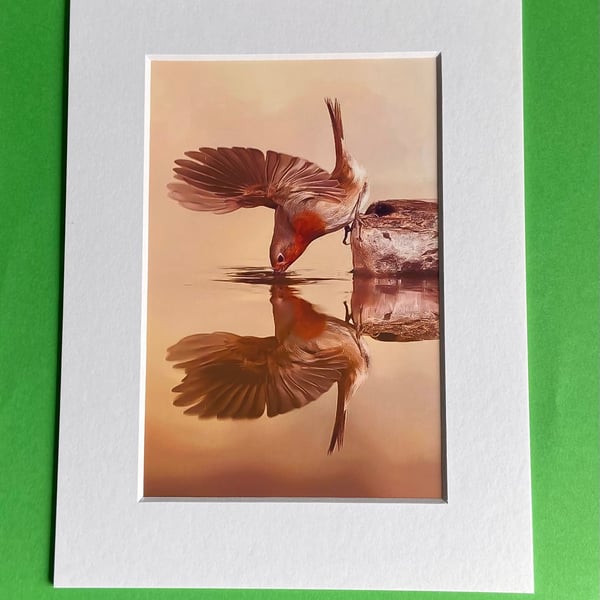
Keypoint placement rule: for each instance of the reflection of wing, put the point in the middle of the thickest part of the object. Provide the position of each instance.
(229, 376)
(221, 180)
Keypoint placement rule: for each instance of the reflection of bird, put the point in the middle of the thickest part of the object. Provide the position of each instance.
(237, 377)
(309, 202)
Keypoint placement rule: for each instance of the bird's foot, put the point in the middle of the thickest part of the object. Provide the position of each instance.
(358, 223)
(348, 315)
(347, 230)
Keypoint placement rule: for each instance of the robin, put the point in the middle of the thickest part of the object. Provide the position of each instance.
(308, 201)
(228, 376)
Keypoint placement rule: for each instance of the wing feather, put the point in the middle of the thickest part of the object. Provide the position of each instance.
(221, 180)
(235, 377)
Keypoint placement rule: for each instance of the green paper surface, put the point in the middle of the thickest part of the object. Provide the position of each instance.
(561, 83)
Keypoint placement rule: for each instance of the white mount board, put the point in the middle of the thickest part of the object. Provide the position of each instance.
(481, 540)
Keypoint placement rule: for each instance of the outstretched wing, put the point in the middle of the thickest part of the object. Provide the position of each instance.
(230, 376)
(221, 180)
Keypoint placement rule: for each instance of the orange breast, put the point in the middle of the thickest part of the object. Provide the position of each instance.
(308, 225)
(308, 324)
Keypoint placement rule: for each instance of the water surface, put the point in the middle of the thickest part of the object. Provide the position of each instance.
(217, 445)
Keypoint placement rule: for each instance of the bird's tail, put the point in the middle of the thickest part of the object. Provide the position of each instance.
(335, 114)
(337, 435)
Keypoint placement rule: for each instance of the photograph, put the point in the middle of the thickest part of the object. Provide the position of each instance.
(292, 324)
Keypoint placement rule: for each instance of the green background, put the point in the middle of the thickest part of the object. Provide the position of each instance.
(561, 71)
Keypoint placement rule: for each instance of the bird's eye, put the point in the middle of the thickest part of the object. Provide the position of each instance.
(280, 258)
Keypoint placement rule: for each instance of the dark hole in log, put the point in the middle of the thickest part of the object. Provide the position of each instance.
(381, 209)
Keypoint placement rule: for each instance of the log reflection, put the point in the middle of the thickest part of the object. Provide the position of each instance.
(228, 376)
(399, 310)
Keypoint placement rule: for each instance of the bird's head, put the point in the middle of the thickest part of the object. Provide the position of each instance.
(284, 252)
(288, 242)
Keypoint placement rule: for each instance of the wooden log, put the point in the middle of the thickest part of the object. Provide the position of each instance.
(396, 310)
(395, 237)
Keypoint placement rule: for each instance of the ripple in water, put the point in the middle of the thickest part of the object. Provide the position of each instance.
(266, 276)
